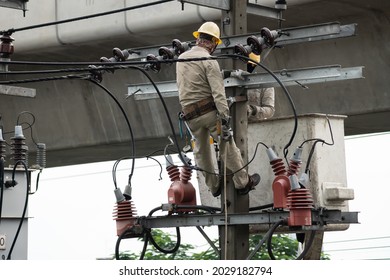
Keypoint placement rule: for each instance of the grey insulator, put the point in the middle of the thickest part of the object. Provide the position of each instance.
(294, 184)
(297, 156)
(119, 196)
(272, 155)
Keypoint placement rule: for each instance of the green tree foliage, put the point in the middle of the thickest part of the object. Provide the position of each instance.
(283, 248)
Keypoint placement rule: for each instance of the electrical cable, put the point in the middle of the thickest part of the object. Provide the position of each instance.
(209, 209)
(127, 122)
(286, 92)
(315, 143)
(308, 245)
(25, 204)
(1, 186)
(120, 66)
(166, 112)
(303, 253)
(148, 236)
(13, 30)
(261, 207)
(163, 250)
(118, 242)
(265, 237)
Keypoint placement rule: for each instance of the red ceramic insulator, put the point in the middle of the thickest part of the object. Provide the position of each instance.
(173, 172)
(294, 167)
(300, 204)
(181, 193)
(186, 174)
(280, 189)
(6, 46)
(278, 167)
(125, 215)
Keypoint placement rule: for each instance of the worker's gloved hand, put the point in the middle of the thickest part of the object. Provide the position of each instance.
(226, 130)
(251, 110)
(239, 74)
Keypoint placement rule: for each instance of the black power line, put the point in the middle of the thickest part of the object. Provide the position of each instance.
(12, 30)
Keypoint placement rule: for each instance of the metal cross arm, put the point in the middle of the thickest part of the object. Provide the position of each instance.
(288, 77)
(293, 35)
(319, 218)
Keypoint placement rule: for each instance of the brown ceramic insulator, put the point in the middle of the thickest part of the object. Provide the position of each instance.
(278, 167)
(179, 47)
(166, 53)
(125, 216)
(294, 167)
(124, 210)
(6, 46)
(300, 204)
(2, 149)
(280, 189)
(19, 149)
(173, 172)
(120, 55)
(181, 193)
(186, 174)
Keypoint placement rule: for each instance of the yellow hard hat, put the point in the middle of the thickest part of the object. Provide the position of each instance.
(254, 57)
(210, 28)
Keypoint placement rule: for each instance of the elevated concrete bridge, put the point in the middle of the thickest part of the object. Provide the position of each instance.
(81, 123)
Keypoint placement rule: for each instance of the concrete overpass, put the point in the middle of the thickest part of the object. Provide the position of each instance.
(80, 123)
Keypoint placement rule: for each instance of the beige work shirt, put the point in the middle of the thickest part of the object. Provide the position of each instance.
(263, 99)
(197, 80)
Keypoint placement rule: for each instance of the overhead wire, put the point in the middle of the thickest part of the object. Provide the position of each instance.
(148, 235)
(131, 64)
(13, 30)
(127, 122)
(24, 207)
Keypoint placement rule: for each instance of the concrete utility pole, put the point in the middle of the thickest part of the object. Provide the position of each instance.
(235, 239)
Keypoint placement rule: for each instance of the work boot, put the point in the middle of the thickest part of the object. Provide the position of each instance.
(254, 180)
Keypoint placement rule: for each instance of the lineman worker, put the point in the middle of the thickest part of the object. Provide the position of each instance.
(261, 101)
(203, 100)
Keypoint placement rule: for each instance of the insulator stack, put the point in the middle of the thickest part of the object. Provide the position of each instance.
(295, 162)
(41, 155)
(124, 210)
(6, 46)
(18, 146)
(278, 167)
(173, 172)
(125, 215)
(294, 167)
(186, 174)
(300, 204)
(155, 64)
(2, 145)
(180, 47)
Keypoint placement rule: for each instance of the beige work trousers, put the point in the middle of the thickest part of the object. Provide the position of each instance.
(202, 127)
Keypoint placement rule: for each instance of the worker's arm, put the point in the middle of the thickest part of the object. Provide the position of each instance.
(217, 87)
(261, 103)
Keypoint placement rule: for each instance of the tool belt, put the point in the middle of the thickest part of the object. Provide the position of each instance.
(198, 109)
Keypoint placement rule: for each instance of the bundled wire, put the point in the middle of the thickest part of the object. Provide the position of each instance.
(25, 204)
(13, 30)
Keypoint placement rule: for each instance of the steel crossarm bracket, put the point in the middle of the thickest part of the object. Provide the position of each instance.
(264, 11)
(271, 217)
(220, 4)
(318, 32)
(252, 8)
(294, 35)
(17, 91)
(14, 4)
(289, 77)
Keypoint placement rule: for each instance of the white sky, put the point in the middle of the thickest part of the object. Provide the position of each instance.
(72, 209)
